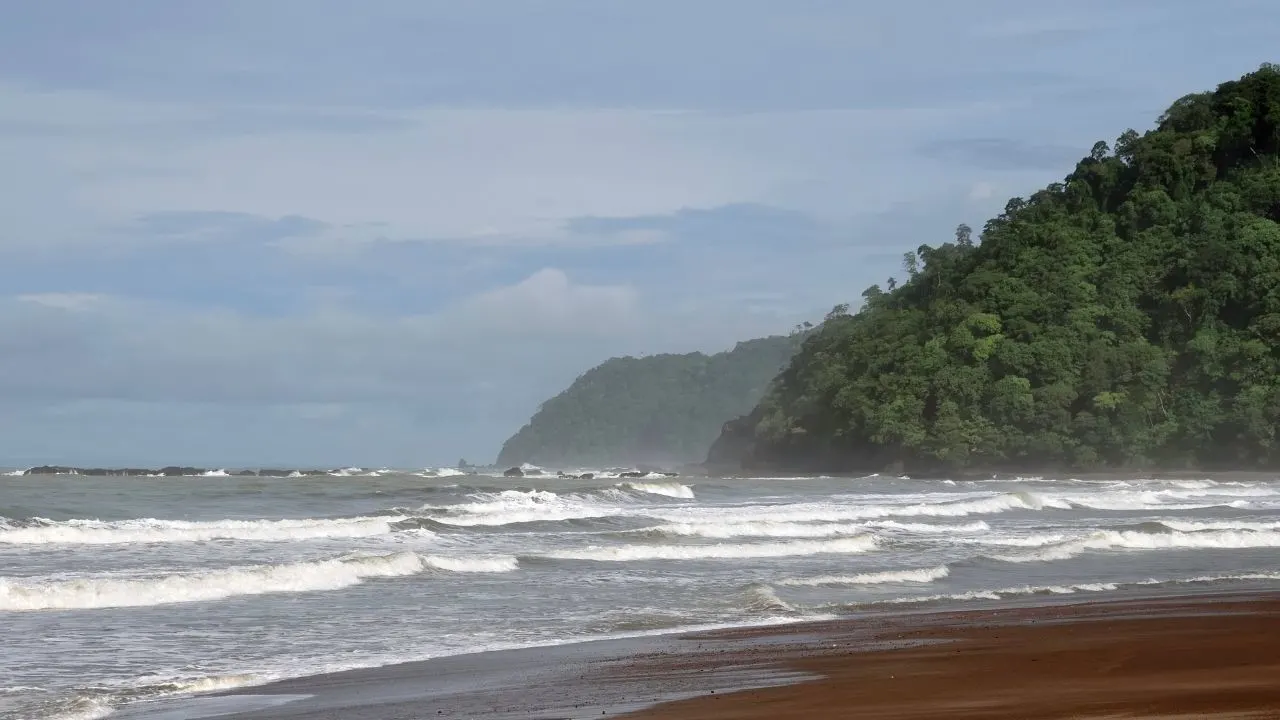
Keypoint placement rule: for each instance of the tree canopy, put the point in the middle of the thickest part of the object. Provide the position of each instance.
(656, 409)
(1128, 316)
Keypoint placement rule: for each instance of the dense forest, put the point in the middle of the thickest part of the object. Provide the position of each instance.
(1128, 316)
(660, 409)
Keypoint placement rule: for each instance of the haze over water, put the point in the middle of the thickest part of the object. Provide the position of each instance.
(119, 590)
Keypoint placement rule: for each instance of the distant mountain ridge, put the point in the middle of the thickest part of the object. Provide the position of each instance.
(658, 409)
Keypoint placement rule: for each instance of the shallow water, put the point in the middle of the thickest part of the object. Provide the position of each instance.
(115, 590)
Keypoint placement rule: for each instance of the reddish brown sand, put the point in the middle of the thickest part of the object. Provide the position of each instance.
(1200, 658)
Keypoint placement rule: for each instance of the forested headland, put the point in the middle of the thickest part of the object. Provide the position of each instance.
(659, 409)
(1126, 317)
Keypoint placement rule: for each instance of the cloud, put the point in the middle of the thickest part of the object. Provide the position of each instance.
(488, 176)
(384, 232)
(63, 301)
(481, 363)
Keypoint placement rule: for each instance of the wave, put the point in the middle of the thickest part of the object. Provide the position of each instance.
(667, 489)
(1142, 540)
(195, 472)
(723, 529)
(509, 507)
(838, 512)
(1070, 589)
(860, 543)
(41, 531)
(99, 702)
(319, 575)
(761, 598)
(1004, 593)
(1194, 525)
(753, 528)
(922, 575)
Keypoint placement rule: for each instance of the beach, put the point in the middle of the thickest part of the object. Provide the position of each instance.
(377, 593)
(1211, 655)
(1208, 657)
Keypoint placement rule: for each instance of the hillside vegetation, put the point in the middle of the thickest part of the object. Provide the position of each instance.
(1128, 316)
(656, 409)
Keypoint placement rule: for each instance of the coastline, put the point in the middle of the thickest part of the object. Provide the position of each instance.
(1208, 654)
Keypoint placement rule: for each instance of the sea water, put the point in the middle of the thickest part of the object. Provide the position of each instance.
(118, 590)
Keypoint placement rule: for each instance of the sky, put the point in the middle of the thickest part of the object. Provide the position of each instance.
(328, 233)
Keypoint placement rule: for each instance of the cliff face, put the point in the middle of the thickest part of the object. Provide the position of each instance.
(661, 409)
(1128, 316)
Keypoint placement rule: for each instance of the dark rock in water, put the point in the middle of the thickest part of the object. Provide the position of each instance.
(632, 474)
(245, 473)
(175, 471)
(671, 474)
(513, 472)
(587, 476)
(51, 470)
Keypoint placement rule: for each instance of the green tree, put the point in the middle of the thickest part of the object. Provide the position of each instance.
(657, 409)
(1128, 316)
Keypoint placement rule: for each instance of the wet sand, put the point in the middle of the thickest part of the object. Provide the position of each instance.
(1190, 658)
(1207, 656)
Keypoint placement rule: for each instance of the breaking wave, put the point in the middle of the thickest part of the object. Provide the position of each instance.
(509, 507)
(1141, 540)
(754, 528)
(41, 531)
(667, 489)
(923, 575)
(319, 575)
(861, 543)
(761, 598)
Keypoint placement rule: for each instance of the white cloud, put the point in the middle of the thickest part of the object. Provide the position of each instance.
(140, 351)
(477, 175)
(64, 300)
(546, 303)
(83, 374)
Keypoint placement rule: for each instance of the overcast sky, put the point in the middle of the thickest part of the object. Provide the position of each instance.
(327, 232)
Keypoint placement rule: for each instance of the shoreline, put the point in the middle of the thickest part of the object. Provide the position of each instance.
(1191, 656)
(814, 668)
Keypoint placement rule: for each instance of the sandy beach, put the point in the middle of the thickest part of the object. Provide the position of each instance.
(1201, 657)
(1204, 656)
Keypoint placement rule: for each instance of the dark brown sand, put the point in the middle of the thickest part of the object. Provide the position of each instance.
(1183, 658)
(1204, 656)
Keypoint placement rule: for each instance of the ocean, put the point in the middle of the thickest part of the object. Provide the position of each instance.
(122, 590)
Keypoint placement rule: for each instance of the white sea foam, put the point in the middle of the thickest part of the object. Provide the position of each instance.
(521, 506)
(860, 543)
(730, 528)
(1012, 592)
(667, 489)
(756, 528)
(84, 709)
(333, 574)
(1135, 540)
(1068, 589)
(762, 598)
(150, 530)
(1196, 525)
(941, 528)
(921, 575)
(846, 511)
